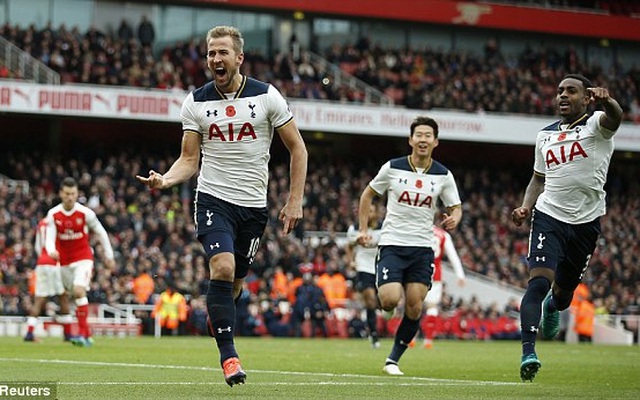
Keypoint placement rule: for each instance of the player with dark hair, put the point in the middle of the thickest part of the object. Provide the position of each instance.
(565, 199)
(231, 121)
(67, 241)
(413, 185)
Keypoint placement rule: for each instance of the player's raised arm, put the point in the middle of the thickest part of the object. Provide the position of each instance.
(182, 169)
(612, 111)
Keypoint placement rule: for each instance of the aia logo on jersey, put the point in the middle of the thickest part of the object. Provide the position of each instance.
(230, 111)
(565, 155)
(419, 184)
(229, 134)
(415, 199)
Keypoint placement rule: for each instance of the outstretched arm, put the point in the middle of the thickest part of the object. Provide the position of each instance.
(182, 169)
(534, 188)
(292, 211)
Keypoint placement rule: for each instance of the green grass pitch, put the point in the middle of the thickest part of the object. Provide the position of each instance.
(188, 368)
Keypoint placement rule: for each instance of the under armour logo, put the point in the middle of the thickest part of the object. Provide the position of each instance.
(385, 271)
(402, 181)
(543, 259)
(209, 215)
(541, 237)
(214, 112)
(253, 113)
(227, 329)
(214, 246)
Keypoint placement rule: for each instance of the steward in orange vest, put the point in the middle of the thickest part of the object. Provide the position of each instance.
(171, 308)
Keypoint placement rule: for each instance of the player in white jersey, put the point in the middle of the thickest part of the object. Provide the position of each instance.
(231, 122)
(364, 259)
(413, 185)
(565, 199)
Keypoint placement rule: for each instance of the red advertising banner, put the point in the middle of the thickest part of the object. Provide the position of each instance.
(449, 12)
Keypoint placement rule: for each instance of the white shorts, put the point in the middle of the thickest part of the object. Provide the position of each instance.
(48, 281)
(434, 297)
(77, 274)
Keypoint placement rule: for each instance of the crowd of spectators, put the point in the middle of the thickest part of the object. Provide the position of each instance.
(483, 81)
(152, 234)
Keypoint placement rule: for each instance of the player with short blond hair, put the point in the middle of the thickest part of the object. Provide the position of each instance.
(230, 121)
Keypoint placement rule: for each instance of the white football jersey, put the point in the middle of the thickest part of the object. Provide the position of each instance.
(237, 130)
(574, 160)
(365, 257)
(412, 200)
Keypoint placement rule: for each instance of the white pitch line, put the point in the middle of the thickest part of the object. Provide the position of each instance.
(428, 381)
(320, 383)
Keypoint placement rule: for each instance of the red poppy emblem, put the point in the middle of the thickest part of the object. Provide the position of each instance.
(419, 184)
(230, 111)
(562, 136)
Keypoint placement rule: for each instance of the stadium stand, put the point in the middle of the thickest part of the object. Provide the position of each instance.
(152, 231)
(422, 79)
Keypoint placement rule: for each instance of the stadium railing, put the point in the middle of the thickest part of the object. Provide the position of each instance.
(26, 67)
(121, 319)
(371, 94)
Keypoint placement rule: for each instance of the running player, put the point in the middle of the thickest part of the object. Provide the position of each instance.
(565, 199)
(67, 242)
(413, 185)
(231, 121)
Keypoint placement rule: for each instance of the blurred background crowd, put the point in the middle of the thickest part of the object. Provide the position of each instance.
(483, 81)
(152, 234)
